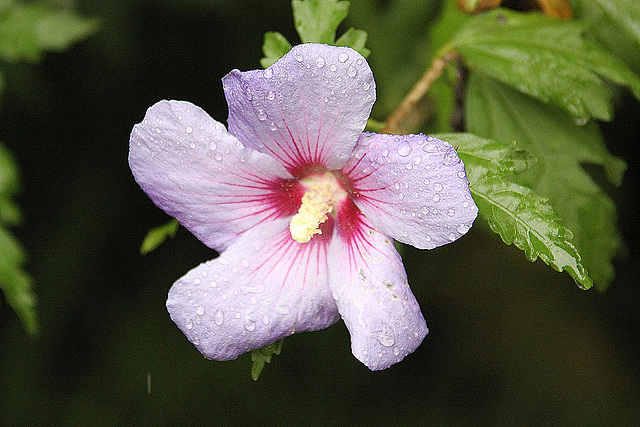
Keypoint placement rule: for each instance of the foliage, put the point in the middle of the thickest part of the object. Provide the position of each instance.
(316, 21)
(263, 355)
(27, 31)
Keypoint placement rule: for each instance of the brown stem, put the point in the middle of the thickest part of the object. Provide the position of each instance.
(417, 92)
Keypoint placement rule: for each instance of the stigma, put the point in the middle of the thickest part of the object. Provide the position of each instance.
(320, 199)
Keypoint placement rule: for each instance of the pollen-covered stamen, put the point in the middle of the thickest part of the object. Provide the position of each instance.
(321, 196)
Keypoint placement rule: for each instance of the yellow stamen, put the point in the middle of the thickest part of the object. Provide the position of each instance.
(317, 202)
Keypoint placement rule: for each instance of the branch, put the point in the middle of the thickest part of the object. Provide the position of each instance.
(417, 92)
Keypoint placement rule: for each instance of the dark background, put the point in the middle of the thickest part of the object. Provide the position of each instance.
(511, 342)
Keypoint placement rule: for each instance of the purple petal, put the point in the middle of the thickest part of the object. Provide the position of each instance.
(308, 108)
(264, 287)
(194, 170)
(369, 284)
(413, 188)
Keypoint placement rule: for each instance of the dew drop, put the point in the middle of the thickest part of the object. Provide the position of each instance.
(200, 311)
(333, 67)
(452, 237)
(271, 95)
(192, 145)
(320, 61)
(282, 309)
(196, 281)
(366, 86)
(396, 351)
(213, 146)
(404, 150)
(272, 126)
(218, 156)
(385, 152)
(462, 228)
(465, 204)
(218, 318)
(425, 209)
(189, 324)
(343, 57)
(436, 198)
(385, 336)
(189, 129)
(417, 160)
(401, 196)
(268, 73)
(437, 186)
(451, 212)
(250, 325)
(461, 174)
(265, 319)
(262, 116)
(352, 71)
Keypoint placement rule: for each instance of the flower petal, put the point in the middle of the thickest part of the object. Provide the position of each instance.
(413, 188)
(369, 284)
(264, 287)
(308, 108)
(194, 170)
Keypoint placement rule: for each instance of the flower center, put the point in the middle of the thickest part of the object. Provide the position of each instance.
(322, 194)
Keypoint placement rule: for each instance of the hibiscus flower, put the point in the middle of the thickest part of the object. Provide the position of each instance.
(302, 206)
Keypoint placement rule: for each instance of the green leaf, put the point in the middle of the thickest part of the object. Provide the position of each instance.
(515, 212)
(262, 356)
(545, 58)
(485, 158)
(615, 24)
(157, 235)
(274, 47)
(528, 221)
(495, 111)
(14, 282)
(26, 31)
(317, 20)
(355, 39)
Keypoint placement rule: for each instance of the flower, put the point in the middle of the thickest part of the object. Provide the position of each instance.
(302, 207)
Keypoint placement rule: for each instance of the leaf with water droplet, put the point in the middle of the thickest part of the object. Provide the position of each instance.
(157, 235)
(561, 148)
(263, 355)
(545, 58)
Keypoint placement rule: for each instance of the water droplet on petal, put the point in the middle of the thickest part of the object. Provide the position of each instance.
(271, 95)
(436, 198)
(200, 311)
(189, 324)
(213, 146)
(385, 336)
(218, 318)
(396, 351)
(451, 212)
(452, 237)
(265, 319)
(282, 309)
(461, 174)
(352, 71)
(437, 186)
(333, 67)
(417, 160)
(250, 325)
(320, 61)
(268, 73)
(261, 115)
(462, 228)
(343, 57)
(218, 156)
(189, 129)
(404, 149)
